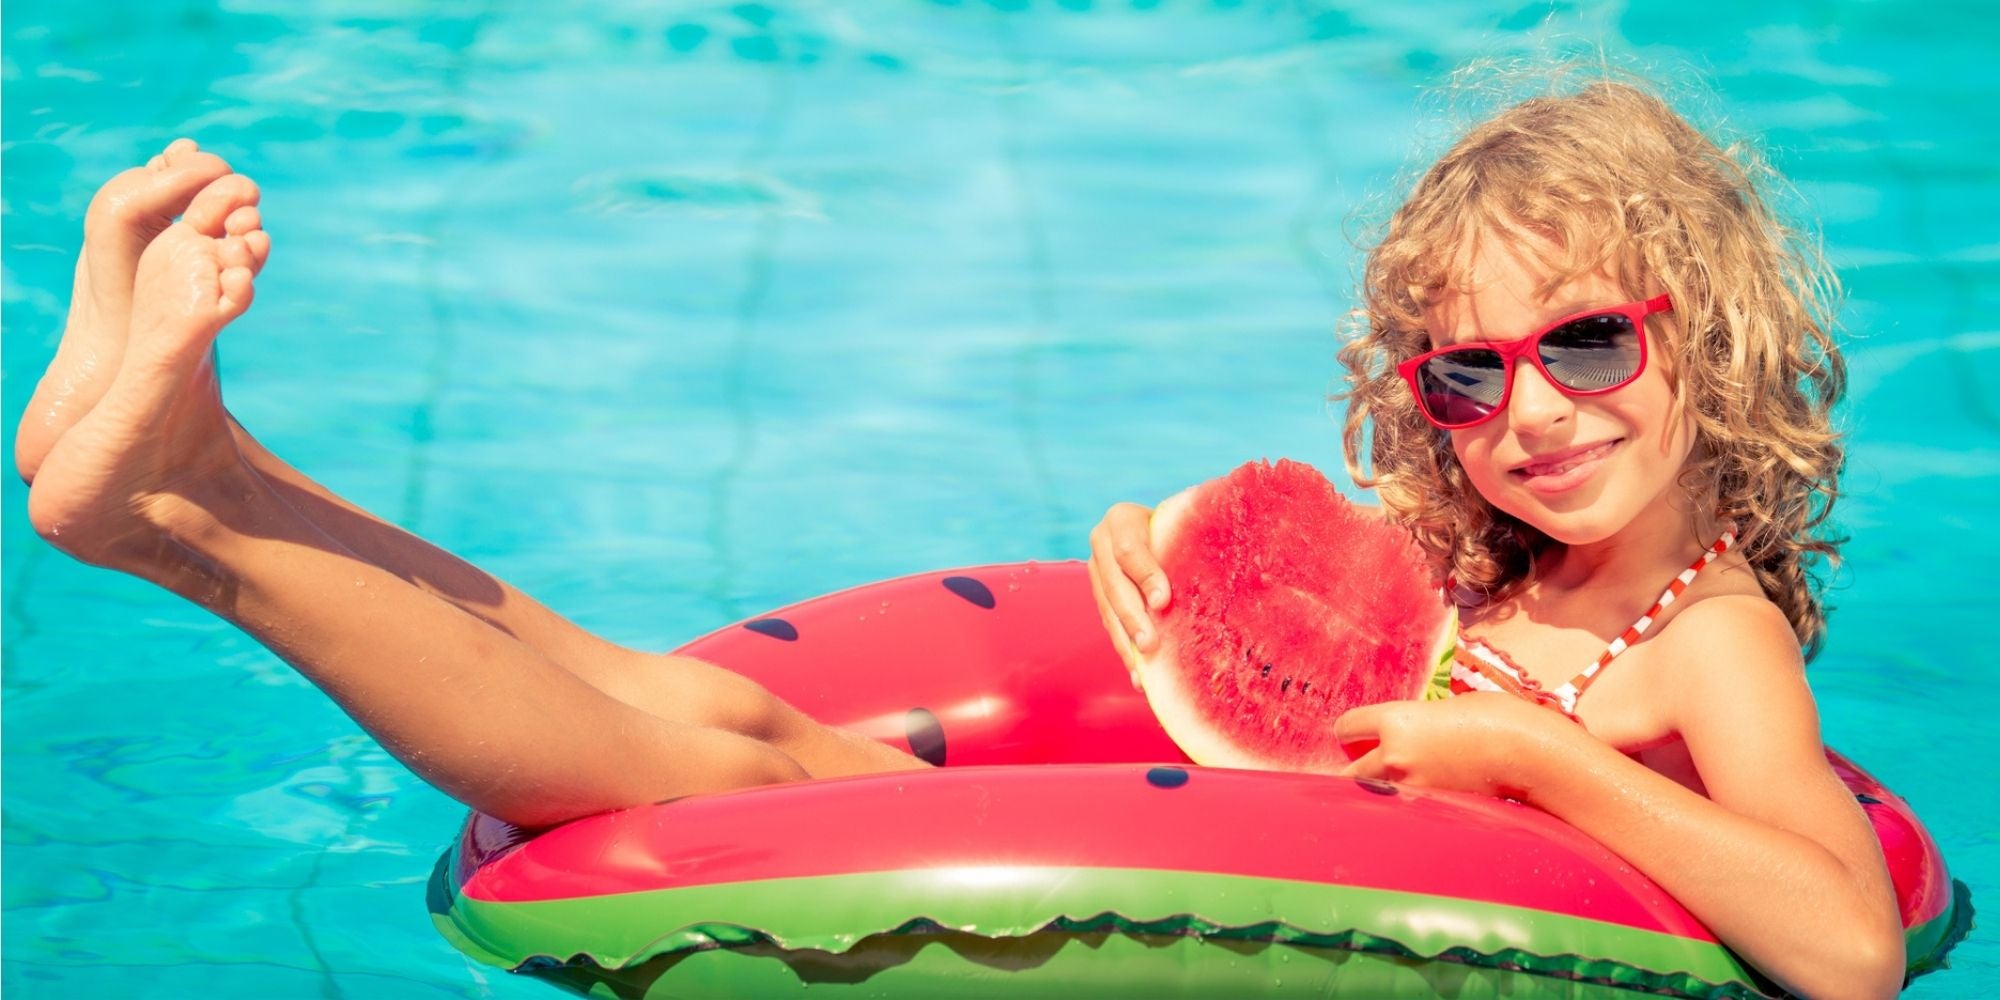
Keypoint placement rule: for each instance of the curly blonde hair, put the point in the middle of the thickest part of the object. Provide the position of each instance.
(1616, 181)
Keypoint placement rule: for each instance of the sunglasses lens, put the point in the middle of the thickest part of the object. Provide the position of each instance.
(1462, 387)
(1593, 353)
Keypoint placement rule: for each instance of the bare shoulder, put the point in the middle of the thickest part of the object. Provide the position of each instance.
(1738, 634)
(1740, 701)
(1738, 678)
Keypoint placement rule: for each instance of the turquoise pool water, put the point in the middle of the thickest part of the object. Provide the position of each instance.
(672, 313)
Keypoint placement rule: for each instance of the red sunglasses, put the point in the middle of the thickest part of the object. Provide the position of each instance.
(1583, 355)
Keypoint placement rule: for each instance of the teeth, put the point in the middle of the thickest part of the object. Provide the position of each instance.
(1559, 467)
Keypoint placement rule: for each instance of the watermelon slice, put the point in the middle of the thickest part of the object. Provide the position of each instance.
(1291, 605)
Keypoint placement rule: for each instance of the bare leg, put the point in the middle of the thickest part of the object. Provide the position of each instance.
(151, 482)
(676, 689)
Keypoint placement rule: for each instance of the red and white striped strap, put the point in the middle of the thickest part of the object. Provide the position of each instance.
(1479, 667)
(1570, 692)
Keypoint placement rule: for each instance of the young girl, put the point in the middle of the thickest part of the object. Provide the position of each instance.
(1693, 422)
(1594, 366)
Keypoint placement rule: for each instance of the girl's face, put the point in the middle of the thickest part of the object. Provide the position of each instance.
(1580, 469)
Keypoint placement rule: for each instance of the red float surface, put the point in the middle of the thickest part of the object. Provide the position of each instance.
(990, 668)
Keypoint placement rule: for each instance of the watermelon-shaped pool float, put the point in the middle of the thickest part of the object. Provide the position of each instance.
(1066, 847)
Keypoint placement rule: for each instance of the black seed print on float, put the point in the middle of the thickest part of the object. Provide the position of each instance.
(926, 735)
(970, 589)
(1167, 777)
(776, 628)
(1376, 785)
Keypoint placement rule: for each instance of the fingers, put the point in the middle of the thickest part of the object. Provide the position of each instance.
(1359, 733)
(1131, 536)
(1114, 628)
(1121, 561)
(1368, 765)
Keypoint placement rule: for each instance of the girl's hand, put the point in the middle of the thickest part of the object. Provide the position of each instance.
(1466, 743)
(1127, 581)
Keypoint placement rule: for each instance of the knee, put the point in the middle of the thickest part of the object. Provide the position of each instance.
(767, 765)
(734, 703)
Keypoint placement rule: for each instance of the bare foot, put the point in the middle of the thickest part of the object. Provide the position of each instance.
(125, 215)
(158, 436)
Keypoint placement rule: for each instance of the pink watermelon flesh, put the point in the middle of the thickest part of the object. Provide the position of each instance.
(1291, 605)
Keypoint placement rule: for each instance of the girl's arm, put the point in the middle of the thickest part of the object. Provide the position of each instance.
(1791, 874)
(1778, 860)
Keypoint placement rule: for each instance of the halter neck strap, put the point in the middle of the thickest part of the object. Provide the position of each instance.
(1480, 667)
(1570, 692)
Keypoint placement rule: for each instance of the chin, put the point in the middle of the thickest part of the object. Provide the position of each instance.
(1586, 524)
(1571, 533)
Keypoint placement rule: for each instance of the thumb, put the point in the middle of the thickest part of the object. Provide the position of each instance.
(1368, 765)
(1359, 731)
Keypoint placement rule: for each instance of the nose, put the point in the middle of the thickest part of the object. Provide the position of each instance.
(1535, 407)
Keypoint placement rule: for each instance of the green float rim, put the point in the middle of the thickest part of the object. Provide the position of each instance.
(831, 914)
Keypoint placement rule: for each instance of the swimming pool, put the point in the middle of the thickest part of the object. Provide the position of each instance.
(672, 316)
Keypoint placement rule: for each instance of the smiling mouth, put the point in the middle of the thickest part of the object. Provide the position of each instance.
(1561, 462)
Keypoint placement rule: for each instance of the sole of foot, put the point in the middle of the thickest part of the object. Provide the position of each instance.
(125, 215)
(152, 451)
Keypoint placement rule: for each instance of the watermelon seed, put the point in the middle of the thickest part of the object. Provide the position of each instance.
(1265, 672)
(925, 734)
(776, 628)
(1284, 685)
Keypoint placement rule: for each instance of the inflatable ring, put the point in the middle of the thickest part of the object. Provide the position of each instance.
(1114, 868)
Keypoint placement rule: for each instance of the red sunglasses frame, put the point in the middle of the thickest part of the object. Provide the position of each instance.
(1509, 350)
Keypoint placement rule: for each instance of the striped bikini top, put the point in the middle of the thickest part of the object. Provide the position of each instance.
(1479, 667)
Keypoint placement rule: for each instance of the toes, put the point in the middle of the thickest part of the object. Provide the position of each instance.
(187, 275)
(259, 243)
(247, 245)
(248, 251)
(235, 252)
(237, 291)
(210, 211)
(242, 221)
(175, 150)
(140, 202)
